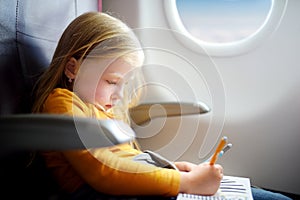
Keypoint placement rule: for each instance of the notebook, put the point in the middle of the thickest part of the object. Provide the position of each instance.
(231, 188)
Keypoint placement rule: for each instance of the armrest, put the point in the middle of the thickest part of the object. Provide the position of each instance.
(143, 113)
(57, 132)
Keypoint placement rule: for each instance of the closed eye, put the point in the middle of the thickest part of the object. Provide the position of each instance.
(112, 82)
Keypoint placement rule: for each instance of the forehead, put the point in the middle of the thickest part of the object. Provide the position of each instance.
(119, 66)
(126, 63)
(122, 65)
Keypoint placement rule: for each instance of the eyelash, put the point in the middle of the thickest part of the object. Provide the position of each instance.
(111, 82)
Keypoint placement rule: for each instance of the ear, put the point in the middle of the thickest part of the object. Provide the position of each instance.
(71, 68)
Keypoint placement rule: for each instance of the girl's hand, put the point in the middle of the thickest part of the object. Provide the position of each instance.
(202, 179)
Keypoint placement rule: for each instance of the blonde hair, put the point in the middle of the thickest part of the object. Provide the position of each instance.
(90, 34)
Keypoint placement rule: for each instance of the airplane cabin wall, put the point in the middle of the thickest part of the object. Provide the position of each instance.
(254, 97)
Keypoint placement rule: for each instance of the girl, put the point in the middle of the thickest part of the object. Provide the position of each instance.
(92, 72)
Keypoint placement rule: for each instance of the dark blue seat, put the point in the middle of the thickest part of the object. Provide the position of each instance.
(29, 31)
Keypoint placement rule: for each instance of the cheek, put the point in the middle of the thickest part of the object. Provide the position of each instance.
(84, 90)
(85, 85)
(102, 93)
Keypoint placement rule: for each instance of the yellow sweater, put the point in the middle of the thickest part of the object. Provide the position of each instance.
(108, 170)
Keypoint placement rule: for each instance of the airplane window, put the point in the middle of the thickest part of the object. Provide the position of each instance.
(223, 27)
(223, 21)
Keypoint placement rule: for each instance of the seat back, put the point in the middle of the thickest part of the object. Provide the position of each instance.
(29, 32)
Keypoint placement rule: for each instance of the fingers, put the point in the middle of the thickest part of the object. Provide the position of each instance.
(184, 166)
(215, 166)
(200, 170)
(219, 167)
(215, 170)
(202, 179)
(219, 170)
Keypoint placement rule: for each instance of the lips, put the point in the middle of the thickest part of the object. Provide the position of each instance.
(108, 106)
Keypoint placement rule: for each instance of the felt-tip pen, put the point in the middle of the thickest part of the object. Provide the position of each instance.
(218, 150)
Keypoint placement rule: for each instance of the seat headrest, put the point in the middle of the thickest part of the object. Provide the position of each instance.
(29, 32)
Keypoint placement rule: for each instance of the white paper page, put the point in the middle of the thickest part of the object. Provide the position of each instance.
(231, 188)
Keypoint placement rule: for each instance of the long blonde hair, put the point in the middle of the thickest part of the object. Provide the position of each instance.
(94, 33)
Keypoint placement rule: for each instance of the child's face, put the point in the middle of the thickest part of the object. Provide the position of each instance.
(102, 83)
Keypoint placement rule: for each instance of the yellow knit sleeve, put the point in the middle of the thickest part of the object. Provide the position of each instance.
(110, 174)
(108, 170)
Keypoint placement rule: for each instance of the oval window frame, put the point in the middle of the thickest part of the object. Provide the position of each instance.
(238, 47)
